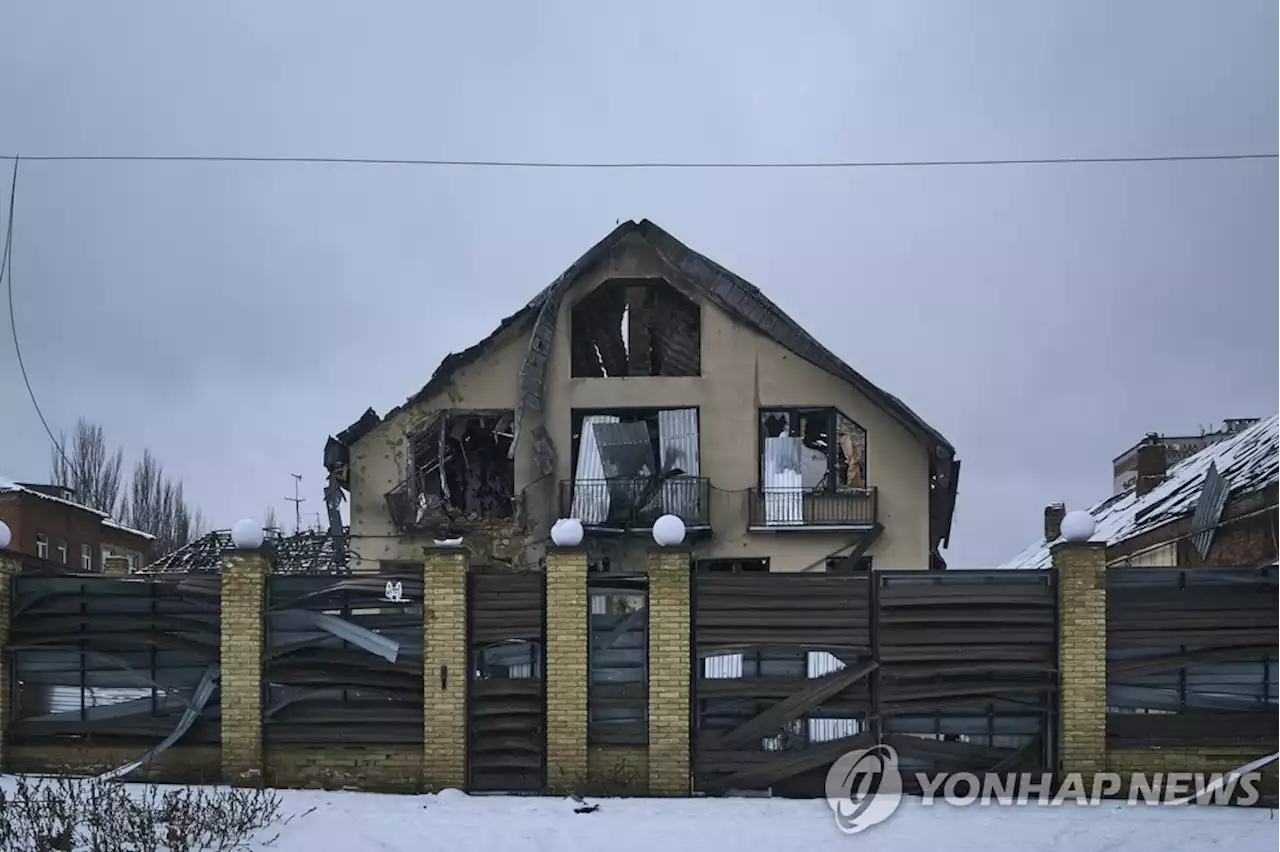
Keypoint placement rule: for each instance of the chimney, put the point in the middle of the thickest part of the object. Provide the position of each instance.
(1153, 464)
(1053, 515)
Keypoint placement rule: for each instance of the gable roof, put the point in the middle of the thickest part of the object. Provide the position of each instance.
(8, 486)
(1249, 462)
(736, 296)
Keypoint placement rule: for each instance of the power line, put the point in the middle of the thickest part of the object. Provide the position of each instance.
(6, 265)
(657, 164)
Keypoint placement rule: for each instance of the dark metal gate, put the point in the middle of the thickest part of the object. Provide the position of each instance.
(762, 720)
(506, 702)
(956, 671)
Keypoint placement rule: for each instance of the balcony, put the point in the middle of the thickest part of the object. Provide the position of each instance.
(798, 508)
(625, 503)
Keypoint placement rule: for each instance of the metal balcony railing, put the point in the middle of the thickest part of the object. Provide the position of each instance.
(782, 508)
(627, 502)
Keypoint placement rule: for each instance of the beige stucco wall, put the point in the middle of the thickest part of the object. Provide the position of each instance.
(742, 371)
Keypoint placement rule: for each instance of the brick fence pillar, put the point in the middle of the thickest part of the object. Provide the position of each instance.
(9, 566)
(115, 566)
(1082, 656)
(669, 674)
(445, 669)
(566, 655)
(243, 589)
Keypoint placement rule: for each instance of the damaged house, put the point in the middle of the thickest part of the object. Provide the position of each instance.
(649, 380)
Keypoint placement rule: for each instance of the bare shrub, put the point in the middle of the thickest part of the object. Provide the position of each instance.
(74, 815)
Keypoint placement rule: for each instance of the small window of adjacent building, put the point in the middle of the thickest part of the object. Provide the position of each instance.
(618, 696)
(42, 545)
(62, 552)
(86, 557)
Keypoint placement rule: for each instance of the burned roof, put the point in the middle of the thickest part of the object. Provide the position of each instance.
(1249, 462)
(731, 293)
(301, 553)
(737, 296)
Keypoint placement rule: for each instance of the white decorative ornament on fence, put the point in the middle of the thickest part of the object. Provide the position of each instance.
(1077, 526)
(668, 531)
(5, 535)
(567, 532)
(247, 534)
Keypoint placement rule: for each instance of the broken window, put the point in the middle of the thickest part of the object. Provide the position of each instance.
(460, 466)
(632, 466)
(635, 328)
(812, 449)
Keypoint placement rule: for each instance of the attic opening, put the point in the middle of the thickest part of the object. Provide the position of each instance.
(637, 327)
(460, 468)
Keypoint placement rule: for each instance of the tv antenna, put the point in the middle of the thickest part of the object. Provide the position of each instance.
(297, 502)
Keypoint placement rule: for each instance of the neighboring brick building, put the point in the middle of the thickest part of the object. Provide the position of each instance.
(1125, 466)
(1215, 507)
(47, 523)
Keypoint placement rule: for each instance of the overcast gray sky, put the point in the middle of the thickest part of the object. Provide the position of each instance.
(230, 317)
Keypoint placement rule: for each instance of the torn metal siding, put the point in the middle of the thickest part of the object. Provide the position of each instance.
(590, 504)
(1213, 499)
(783, 482)
(678, 443)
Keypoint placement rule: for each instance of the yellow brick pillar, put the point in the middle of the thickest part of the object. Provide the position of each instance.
(566, 656)
(9, 566)
(669, 672)
(445, 668)
(1082, 656)
(244, 583)
(115, 566)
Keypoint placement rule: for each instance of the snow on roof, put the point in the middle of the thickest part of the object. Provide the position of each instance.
(1249, 461)
(300, 553)
(116, 525)
(8, 486)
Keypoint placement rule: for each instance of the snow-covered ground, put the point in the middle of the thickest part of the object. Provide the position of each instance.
(459, 823)
(314, 821)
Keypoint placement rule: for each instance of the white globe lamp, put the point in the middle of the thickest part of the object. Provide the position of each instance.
(6, 535)
(1078, 526)
(567, 532)
(247, 534)
(668, 531)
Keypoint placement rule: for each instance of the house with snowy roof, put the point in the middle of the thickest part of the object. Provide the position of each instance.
(1217, 507)
(48, 523)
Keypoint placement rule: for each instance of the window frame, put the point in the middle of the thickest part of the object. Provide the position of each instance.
(86, 557)
(42, 546)
(63, 552)
(833, 413)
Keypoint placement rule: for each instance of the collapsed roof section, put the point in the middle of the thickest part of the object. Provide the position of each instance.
(302, 553)
(694, 275)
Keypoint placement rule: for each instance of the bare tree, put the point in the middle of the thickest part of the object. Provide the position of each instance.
(269, 519)
(86, 466)
(157, 505)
